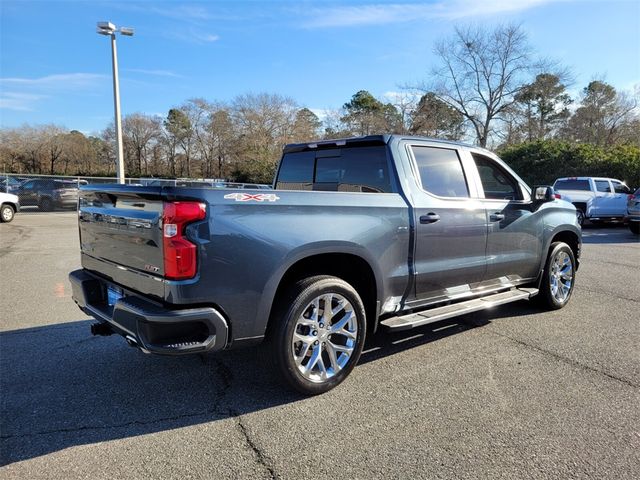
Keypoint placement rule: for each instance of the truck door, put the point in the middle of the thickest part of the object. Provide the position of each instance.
(514, 238)
(451, 229)
(604, 203)
(614, 203)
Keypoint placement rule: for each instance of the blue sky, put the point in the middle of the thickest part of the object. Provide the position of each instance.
(54, 68)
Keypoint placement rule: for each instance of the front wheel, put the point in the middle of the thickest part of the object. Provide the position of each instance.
(46, 204)
(6, 213)
(318, 334)
(558, 277)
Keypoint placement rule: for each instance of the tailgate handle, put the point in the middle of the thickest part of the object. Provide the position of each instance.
(429, 218)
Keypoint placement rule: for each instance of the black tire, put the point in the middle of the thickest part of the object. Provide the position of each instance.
(580, 216)
(554, 298)
(279, 348)
(634, 227)
(46, 204)
(6, 213)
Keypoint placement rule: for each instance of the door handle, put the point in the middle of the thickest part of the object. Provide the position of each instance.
(496, 217)
(429, 218)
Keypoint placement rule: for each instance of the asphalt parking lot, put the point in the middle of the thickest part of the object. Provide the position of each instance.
(512, 393)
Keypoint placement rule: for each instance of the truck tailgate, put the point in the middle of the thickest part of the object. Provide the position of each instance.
(123, 226)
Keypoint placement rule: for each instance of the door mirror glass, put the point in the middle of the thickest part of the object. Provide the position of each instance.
(543, 194)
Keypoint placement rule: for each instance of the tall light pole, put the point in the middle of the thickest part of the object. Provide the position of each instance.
(108, 28)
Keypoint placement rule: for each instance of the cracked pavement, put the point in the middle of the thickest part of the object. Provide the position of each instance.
(510, 393)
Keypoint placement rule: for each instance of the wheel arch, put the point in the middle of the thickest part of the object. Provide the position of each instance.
(346, 265)
(571, 237)
(11, 204)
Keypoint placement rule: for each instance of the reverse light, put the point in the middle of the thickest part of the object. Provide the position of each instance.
(180, 255)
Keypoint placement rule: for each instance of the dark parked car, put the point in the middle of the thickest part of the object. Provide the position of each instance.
(48, 194)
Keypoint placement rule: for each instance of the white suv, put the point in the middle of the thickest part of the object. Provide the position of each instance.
(9, 205)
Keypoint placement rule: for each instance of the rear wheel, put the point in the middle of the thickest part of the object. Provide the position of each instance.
(580, 216)
(6, 213)
(558, 277)
(318, 334)
(46, 204)
(634, 227)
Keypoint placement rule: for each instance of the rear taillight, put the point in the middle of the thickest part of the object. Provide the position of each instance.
(180, 259)
(557, 195)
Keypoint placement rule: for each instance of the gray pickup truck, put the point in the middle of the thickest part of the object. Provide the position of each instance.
(378, 232)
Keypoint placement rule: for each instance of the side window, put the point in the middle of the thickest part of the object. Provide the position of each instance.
(440, 171)
(28, 185)
(620, 187)
(496, 182)
(603, 186)
(296, 171)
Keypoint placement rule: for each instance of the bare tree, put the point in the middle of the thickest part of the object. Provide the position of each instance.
(139, 132)
(481, 71)
(264, 123)
(11, 149)
(54, 145)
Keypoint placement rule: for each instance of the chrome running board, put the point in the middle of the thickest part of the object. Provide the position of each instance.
(432, 315)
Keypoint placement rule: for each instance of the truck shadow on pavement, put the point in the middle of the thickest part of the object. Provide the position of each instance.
(62, 388)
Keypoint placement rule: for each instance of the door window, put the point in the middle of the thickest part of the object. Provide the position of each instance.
(28, 185)
(496, 182)
(603, 186)
(440, 171)
(620, 187)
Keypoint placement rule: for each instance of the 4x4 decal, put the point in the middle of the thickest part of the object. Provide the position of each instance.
(248, 197)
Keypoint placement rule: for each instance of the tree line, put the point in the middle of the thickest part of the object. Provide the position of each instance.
(487, 88)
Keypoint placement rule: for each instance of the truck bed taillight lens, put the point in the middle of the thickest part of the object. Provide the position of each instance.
(180, 259)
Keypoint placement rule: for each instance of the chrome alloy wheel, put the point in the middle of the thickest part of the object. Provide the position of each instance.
(324, 337)
(561, 276)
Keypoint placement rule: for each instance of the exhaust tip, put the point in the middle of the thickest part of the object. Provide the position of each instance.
(131, 341)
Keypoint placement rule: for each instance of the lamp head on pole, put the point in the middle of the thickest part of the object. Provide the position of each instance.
(108, 28)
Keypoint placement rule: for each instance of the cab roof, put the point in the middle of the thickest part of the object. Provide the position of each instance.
(366, 141)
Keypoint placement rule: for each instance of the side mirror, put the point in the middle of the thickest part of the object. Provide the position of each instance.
(543, 194)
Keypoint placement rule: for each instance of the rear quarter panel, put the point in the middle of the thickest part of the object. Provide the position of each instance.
(247, 247)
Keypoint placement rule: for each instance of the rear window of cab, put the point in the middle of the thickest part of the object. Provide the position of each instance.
(572, 185)
(356, 169)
